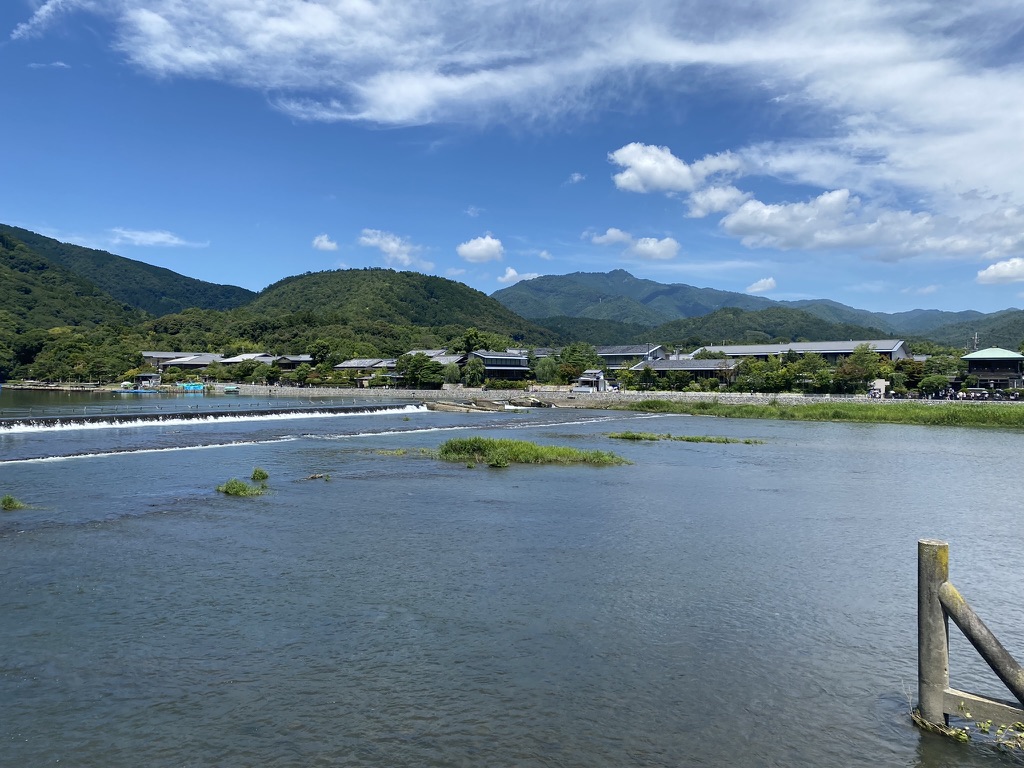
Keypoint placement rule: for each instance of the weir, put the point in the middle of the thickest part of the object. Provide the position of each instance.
(178, 413)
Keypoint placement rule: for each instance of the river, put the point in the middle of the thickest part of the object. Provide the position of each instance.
(709, 604)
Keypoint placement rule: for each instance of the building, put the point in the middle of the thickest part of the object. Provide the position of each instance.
(191, 362)
(510, 366)
(592, 380)
(832, 351)
(622, 356)
(996, 368)
(722, 369)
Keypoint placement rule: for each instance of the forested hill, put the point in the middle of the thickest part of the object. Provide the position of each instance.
(156, 290)
(362, 296)
(736, 326)
(34, 293)
(618, 295)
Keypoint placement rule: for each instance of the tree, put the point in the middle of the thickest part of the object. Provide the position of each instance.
(934, 383)
(419, 371)
(547, 370)
(452, 374)
(319, 350)
(473, 372)
(855, 371)
(577, 358)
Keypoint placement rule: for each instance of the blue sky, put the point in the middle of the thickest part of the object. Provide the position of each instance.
(861, 151)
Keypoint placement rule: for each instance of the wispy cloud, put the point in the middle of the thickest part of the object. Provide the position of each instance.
(473, 212)
(324, 243)
(152, 237)
(575, 178)
(397, 251)
(51, 65)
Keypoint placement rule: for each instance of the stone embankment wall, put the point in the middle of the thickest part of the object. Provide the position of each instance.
(562, 398)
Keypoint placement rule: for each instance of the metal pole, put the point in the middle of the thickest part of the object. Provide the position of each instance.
(932, 630)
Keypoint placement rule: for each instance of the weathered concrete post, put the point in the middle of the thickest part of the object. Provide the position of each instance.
(932, 630)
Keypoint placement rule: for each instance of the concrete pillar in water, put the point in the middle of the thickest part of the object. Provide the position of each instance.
(932, 630)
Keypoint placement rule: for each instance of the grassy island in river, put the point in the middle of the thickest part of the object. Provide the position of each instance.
(946, 414)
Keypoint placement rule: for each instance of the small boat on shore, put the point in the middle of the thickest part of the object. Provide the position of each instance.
(231, 390)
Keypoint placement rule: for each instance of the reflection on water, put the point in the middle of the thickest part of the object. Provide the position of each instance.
(707, 605)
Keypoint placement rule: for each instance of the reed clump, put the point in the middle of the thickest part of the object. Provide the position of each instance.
(945, 414)
(236, 487)
(259, 475)
(503, 453)
(9, 503)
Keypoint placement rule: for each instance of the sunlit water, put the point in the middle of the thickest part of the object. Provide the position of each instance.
(709, 604)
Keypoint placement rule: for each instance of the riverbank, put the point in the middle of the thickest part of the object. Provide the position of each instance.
(786, 407)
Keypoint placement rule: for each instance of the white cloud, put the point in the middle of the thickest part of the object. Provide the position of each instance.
(762, 285)
(324, 243)
(52, 64)
(511, 276)
(1009, 271)
(473, 211)
(575, 178)
(645, 247)
(481, 249)
(715, 200)
(656, 169)
(152, 237)
(915, 101)
(397, 251)
(545, 255)
(652, 248)
(611, 236)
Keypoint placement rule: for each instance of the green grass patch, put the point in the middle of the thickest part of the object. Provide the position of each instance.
(236, 487)
(8, 503)
(682, 438)
(944, 414)
(259, 475)
(502, 453)
(392, 451)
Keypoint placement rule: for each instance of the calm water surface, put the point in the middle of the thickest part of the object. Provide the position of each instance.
(714, 605)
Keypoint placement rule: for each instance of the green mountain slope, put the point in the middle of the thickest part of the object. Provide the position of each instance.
(358, 297)
(35, 294)
(911, 323)
(731, 325)
(617, 295)
(156, 290)
(596, 332)
(1000, 329)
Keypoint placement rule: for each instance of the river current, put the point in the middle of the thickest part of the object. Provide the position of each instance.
(708, 604)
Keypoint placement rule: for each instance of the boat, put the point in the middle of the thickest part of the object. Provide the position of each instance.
(231, 390)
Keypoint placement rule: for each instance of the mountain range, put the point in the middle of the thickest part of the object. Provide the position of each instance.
(620, 297)
(49, 284)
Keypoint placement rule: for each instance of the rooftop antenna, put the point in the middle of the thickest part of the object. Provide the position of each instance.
(975, 341)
